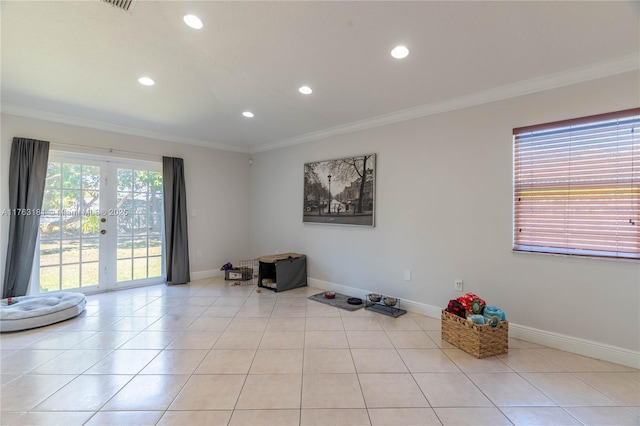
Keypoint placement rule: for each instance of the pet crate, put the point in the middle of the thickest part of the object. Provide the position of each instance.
(246, 273)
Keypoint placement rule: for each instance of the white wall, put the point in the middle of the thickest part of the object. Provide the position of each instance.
(444, 210)
(217, 184)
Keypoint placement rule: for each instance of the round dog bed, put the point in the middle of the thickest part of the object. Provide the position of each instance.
(27, 312)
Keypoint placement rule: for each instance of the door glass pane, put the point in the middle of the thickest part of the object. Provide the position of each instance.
(54, 175)
(70, 251)
(155, 266)
(140, 224)
(51, 202)
(49, 252)
(50, 227)
(90, 273)
(125, 245)
(155, 246)
(155, 224)
(70, 276)
(141, 181)
(72, 191)
(155, 182)
(71, 176)
(70, 226)
(155, 203)
(125, 204)
(140, 204)
(90, 177)
(125, 180)
(139, 232)
(50, 278)
(124, 269)
(91, 202)
(90, 250)
(140, 247)
(140, 268)
(50, 219)
(90, 225)
(71, 201)
(70, 213)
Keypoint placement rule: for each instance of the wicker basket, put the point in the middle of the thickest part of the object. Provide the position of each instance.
(481, 341)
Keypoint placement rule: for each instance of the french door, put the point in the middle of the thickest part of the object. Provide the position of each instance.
(101, 226)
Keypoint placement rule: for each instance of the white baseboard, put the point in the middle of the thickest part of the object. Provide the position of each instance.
(576, 345)
(201, 275)
(542, 337)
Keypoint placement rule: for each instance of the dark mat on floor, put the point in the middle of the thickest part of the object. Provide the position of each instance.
(339, 302)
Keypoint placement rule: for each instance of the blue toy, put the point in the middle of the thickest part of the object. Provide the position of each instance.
(226, 266)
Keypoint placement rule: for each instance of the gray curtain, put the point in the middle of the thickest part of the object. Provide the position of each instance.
(175, 221)
(27, 175)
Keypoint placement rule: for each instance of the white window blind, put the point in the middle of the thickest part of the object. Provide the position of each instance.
(577, 186)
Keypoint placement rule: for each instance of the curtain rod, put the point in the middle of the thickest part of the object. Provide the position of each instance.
(110, 150)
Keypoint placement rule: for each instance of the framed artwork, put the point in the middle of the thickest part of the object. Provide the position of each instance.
(340, 191)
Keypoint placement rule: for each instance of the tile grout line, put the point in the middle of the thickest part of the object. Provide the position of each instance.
(574, 375)
(355, 367)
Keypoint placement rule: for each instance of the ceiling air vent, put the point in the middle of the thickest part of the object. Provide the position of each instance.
(120, 4)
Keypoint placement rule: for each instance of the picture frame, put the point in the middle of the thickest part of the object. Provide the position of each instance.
(340, 191)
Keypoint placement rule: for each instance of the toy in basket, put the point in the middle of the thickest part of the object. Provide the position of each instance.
(478, 335)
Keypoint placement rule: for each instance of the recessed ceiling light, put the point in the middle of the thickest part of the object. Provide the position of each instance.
(248, 114)
(146, 81)
(193, 21)
(400, 52)
(305, 90)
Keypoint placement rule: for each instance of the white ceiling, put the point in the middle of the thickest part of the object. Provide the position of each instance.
(78, 62)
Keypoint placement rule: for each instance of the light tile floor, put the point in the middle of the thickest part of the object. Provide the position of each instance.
(210, 354)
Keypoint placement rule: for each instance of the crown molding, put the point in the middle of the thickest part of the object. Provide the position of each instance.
(110, 127)
(552, 81)
(566, 78)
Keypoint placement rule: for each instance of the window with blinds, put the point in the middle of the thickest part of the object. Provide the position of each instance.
(577, 186)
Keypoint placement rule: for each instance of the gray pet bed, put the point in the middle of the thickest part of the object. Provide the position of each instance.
(37, 311)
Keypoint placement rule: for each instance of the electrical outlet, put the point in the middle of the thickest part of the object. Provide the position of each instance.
(198, 253)
(407, 274)
(458, 285)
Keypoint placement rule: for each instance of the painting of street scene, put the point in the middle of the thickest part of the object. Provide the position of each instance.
(340, 192)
